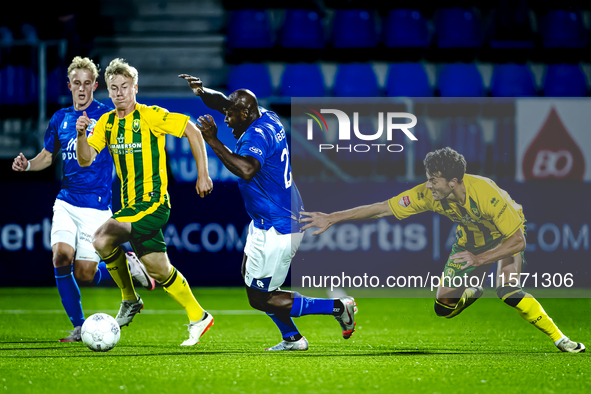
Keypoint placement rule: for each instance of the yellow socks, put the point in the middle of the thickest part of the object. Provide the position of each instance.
(177, 287)
(119, 270)
(530, 309)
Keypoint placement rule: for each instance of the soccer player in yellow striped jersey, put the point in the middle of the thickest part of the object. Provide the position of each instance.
(135, 134)
(491, 228)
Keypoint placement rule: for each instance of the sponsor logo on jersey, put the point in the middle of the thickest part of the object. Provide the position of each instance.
(404, 201)
(502, 211)
(256, 150)
(494, 201)
(109, 126)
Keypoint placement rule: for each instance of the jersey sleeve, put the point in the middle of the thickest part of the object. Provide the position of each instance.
(97, 136)
(503, 211)
(411, 202)
(164, 122)
(255, 144)
(51, 137)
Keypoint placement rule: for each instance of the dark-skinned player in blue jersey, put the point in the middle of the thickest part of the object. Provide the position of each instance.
(272, 200)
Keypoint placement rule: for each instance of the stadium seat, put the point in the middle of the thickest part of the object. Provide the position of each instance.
(405, 28)
(354, 28)
(563, 29)
(457, 28)
(407, 80)
(249, 29)
(302, 29)
(565, 80)
(302, 80)
(252, 76)
(356, 80)
(460, 80)
(512, 80)
(56, 84)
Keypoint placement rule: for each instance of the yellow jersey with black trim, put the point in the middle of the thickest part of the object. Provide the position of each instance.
(488, 213)
(136, 143)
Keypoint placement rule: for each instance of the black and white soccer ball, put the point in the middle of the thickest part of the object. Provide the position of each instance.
(100, 332)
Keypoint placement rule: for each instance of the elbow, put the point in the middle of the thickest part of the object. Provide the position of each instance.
(521, 243)
(248, 175)
(83, 163)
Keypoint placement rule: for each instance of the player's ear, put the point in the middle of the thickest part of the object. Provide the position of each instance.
(453, 182)
(95, 86)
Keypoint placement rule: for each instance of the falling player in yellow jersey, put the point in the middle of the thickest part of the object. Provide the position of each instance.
(490, 229)
(135, 136)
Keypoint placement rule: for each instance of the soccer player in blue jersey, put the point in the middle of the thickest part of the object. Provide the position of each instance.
(261, 162)
(84, 201)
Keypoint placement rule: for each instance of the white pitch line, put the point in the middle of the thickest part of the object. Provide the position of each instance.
(145, 311)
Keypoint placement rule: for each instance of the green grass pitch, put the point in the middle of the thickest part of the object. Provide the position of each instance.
(399, 346)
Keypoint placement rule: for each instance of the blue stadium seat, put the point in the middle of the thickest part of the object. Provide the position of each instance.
(354, 29)
(460, 80)
(563, 29)
(356, 80)
(407, 80)
(457, 28)
(57, 84)
(302, 29)
(565, 80)
(512, 80)
(249, 29)
(302, 80)
(252, 76)
(405, 28)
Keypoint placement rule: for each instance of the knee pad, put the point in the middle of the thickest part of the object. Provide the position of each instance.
(511, 295)
(442, 310)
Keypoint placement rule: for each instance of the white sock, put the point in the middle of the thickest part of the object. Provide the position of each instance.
(560, 340)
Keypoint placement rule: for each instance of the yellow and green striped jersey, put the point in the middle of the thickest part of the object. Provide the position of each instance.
(488, 213)
(136, 143)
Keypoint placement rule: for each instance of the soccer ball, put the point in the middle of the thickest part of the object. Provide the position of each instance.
(100, 332)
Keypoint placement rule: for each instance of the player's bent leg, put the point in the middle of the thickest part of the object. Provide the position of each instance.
(529, 308)
(85, 271)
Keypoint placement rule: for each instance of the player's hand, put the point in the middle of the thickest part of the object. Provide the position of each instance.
(82, 124)
(208, 128)
(315, 219)
(194, 83)
(20, 163)
(204, 186)
(470, 259)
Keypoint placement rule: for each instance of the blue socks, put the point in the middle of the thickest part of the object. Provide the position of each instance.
(311, 306)
(102, 274)
(69, 293)
(288, 329)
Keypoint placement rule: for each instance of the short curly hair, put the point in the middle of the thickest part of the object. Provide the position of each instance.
(83, 63)
(120, 67)
(447, 163)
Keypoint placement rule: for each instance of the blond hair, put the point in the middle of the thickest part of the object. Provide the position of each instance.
(120, 67)
(83, 63)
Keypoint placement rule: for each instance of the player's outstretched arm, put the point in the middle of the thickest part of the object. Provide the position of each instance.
(323, 221)
(245, 167)
(84, 152)
(38, 163)
(204, 184)
(212, 98)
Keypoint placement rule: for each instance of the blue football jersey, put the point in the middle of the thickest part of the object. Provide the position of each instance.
(85, 187)
(271, 197)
